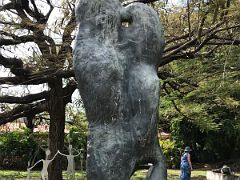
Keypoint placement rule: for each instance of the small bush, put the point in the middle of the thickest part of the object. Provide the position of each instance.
(171, 152)
(16, 148)
(78, 139)
(19, 147)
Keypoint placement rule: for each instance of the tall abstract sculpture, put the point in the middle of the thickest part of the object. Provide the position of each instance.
(116, 57)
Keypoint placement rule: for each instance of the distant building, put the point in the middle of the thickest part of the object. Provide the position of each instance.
(163, 135)
(20, 123)
(12, 126)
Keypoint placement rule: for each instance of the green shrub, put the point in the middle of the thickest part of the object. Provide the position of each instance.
(171, 152)
(19, 147)
(16, 148)
(78, 139)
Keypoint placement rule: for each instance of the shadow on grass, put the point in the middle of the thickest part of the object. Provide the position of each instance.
(35, 175)
(199, 178)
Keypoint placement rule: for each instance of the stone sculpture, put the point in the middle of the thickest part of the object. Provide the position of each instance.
(116, 58)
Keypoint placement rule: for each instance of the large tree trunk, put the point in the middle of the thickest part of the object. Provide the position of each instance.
(56, 130)
(29, 123)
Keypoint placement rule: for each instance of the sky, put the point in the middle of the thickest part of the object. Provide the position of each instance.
(177, 2)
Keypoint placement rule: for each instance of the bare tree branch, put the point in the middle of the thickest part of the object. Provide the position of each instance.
(50, 10)
(23, 111)
(9, 23)
(15, 39)
(37, 27)
(189, 18)
(15, 65)
(38, 78)
(164, 75)
(180, 50)
(66, 48)
(7, 6)
(68, 91)
(26, 99)
(184, 36)
(27, 110)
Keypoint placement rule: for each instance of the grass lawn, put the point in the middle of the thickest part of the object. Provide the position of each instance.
(35, 175)
(172, 175)
(140, 175)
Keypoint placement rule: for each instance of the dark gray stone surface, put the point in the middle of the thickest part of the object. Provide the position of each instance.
(116, 57)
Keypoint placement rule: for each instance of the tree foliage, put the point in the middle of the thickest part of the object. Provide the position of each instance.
(200, 97)
(206, 117)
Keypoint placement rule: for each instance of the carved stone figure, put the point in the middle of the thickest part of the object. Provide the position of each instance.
(116, 57)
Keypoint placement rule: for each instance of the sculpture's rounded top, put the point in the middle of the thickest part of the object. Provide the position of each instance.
(90, 9)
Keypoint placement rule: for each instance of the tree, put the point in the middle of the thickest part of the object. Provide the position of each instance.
(195, 32)
(206, 117)
(200, 99)
(25, 22)
(202, 28)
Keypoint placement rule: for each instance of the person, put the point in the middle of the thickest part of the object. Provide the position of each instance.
(186, 165)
